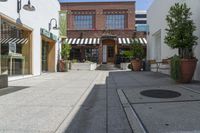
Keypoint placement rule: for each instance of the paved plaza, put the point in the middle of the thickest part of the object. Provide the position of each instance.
(98, 102)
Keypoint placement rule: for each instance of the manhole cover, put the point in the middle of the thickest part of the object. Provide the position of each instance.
(160, 93)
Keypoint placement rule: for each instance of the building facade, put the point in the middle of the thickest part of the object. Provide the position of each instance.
(27, 47)
(157, 49)
(141, 21)
(99, 31)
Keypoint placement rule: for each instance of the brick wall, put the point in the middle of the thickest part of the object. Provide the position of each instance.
(99, 33)
(99, 8)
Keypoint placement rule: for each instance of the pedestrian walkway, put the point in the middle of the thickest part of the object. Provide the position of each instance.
(100, 102)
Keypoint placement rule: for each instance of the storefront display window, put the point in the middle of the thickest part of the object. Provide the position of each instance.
(15, 49)
(91, 54)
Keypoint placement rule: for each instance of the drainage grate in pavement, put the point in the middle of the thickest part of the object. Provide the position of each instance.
(160, 93)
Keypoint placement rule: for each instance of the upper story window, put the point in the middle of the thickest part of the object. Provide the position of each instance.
(141, 16)
(83, 22)
(115, 21)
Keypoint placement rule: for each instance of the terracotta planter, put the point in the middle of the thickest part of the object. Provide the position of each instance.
(136, 64)
(188, 67)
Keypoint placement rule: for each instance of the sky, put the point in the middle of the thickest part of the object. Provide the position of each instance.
(140, 4)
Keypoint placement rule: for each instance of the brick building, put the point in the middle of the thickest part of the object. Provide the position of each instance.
(99, 31)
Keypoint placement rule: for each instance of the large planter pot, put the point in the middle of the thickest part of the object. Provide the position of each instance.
(136, 64)
(188, 67)
(63, 65)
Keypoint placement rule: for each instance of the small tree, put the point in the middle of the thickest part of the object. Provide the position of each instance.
(137, 50)
(65, 52)
(180, 30)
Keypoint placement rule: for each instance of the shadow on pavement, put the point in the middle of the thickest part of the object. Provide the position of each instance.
(102, 111)
(12, 89)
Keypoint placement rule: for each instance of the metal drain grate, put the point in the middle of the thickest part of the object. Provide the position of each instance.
(160, 93)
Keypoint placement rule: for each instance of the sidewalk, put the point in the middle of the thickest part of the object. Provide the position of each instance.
(44, 102)
(99, 102)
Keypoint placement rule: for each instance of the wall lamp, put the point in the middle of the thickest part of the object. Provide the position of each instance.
(56, 25)
(27, 6)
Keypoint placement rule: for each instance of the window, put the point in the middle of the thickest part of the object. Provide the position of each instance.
(141, 16)
(83, 22)
(91, 54)
(141, 22)
(15, 49)
(115, 21)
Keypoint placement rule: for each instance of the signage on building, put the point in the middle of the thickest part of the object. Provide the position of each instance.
(48, 34)
(12, 47)
(63, 24)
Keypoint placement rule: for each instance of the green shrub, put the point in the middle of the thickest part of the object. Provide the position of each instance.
(175, 68)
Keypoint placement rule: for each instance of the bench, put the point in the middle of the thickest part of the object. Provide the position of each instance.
(160, 65)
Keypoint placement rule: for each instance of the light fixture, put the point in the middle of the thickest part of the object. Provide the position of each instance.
(29, 7)
(56, 25)
(3, 0)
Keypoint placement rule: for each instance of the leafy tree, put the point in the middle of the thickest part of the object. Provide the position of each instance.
(180, 30)
(65, 52)
(137, 50)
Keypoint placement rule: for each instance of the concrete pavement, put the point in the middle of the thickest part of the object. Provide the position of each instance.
(90, 102)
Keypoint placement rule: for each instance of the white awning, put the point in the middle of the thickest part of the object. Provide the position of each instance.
(83, 41)
(96, 41)
(14, 40)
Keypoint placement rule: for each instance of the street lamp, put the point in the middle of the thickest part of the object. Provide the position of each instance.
(27, 6)
(56, 25)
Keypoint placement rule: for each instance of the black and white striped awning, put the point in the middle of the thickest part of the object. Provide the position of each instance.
(83, 41)
(127, 41)
(14, 40)
(96, 41)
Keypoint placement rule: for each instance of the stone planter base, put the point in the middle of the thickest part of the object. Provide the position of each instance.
(84, 66)
(124, 66)
(3, 81)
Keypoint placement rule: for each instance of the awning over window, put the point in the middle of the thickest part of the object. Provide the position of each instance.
(14, 40)
(96, 41)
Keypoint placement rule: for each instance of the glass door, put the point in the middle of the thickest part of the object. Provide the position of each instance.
(44, 56)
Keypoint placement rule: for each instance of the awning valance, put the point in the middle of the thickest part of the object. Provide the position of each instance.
(96, 41)
(14, 40)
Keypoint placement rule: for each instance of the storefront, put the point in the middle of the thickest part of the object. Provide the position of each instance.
(48, 51)
(15, 48)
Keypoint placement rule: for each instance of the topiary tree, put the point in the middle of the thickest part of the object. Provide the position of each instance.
(137, 50)
(180, 30)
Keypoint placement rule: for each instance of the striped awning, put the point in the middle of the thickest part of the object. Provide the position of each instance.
(96, 41)
(127, 41)
(14, 40)
(83, 41)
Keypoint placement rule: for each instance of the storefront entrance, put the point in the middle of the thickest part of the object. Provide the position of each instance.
(109, 51)
(48, 55)
(44, 56)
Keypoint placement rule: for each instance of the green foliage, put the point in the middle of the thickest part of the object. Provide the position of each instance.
(65, 52)
(175, 68)
(137, 50)
(180, 30)
(127, 54)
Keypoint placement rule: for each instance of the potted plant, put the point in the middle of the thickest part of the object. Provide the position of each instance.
(180, 36)
(137, 54)
(65, 53)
